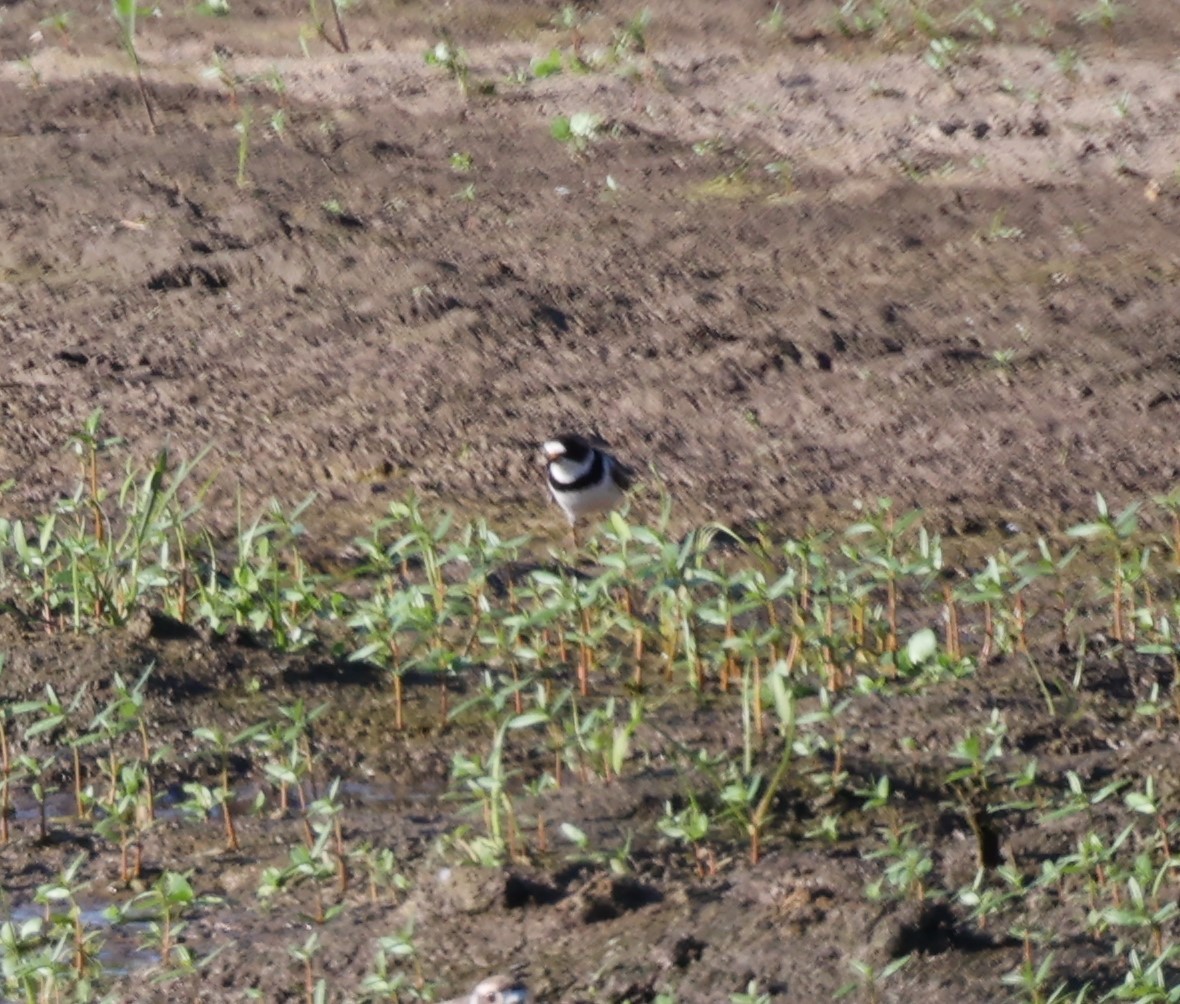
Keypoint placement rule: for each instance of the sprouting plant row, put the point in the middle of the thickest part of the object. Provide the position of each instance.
(868, 606)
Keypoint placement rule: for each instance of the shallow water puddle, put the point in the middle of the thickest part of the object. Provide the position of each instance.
(116, 947)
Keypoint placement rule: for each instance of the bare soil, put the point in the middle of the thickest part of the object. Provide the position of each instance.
(796, 270)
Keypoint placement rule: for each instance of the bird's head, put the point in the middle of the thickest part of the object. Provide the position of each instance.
(565, 447)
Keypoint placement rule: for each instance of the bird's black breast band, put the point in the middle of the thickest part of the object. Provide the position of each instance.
(588, 480)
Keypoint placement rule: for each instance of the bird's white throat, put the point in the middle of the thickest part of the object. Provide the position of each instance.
(566, 471)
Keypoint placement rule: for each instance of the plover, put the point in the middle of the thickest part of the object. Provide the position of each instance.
(498, 989)
(584, 479)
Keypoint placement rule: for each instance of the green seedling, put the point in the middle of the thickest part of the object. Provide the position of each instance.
(390, 619)
(550, 709)
(453, 60)
(35, 962)
(751, 995)
(617, 861)
(1149, 981)
(1115, 534)
(784, 703)
(980, 18)
(484, 785)
(127, 14)
(973, 784)
(943, 53)
(222, 72)
(988, 900)
(36, 773)
(57, 719)
(879, 541)
(631, 38)
(7, 764)
(64, 917)
(59, 24)
(1103, 12)
(384, 982)
(120, 727)
(127, 820)
(578, 130)
(596, 743)
(268, 588)
(867, 979)
(315, 990)
(688, 826)
(96, 567)
(858, 18)
(1142, 907)
(162, 909)
(1068, 62)
(829, 717)
(570, 20)
(242, 128)
(324, 818)
(40, 563)
(313, 867)
(380, 869)
(223, 746)
(908, 866)
(546, 66)
(318, 27)
(998, 230)
(775, 22)
(289, 756)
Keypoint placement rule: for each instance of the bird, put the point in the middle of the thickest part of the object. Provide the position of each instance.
(498, 989)
(584, 478)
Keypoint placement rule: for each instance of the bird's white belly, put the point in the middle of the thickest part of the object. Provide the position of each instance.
(600, 497)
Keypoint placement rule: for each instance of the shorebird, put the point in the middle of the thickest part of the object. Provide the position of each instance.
(584, 479)
(498, 989)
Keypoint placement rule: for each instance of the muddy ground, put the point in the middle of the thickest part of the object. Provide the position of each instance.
(797, 268)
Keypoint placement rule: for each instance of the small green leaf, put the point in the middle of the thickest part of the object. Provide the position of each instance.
(560, 129)
(547, 66)
(1140, 803)
(922, 647)
(529, 718)
(574, 835)
(584, 125)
